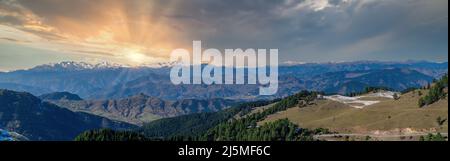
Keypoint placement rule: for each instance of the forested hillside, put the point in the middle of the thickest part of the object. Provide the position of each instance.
(110, 135)
(436, 92)
(190, 126)
(246, 129)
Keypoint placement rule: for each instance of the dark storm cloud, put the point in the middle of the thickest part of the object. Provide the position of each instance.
(322, 30)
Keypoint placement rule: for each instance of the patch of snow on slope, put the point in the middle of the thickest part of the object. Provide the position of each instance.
(351, 101)
(356, 102)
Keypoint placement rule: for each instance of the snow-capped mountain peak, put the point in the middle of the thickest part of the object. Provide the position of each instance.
(76, 66)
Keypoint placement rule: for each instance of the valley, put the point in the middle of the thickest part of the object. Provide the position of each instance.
(141, 108)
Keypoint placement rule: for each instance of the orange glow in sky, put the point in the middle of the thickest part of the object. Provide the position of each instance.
(109, 30)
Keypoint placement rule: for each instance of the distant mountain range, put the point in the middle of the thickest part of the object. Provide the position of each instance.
(356, 81)
(137, 109)
(109, 81)
(74, 66)
(38, 120)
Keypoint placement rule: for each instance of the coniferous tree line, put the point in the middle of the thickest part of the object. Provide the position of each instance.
(368, 90)
(436, 92)
(110, 135)
(281, 130)
(189, 127)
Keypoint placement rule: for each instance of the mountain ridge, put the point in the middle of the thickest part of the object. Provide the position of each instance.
(114, 83)
(26, 114)
(60, 96)
(142, 108)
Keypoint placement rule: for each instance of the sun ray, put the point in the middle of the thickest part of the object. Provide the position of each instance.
(117, 26)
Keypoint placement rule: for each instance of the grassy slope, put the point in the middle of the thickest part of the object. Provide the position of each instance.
(386, 117)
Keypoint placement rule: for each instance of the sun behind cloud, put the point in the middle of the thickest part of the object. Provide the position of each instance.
(106, 29)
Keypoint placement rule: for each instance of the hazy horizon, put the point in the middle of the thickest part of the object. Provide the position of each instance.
(285, 63)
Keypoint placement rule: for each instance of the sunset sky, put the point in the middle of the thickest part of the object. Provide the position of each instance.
(136, 32)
